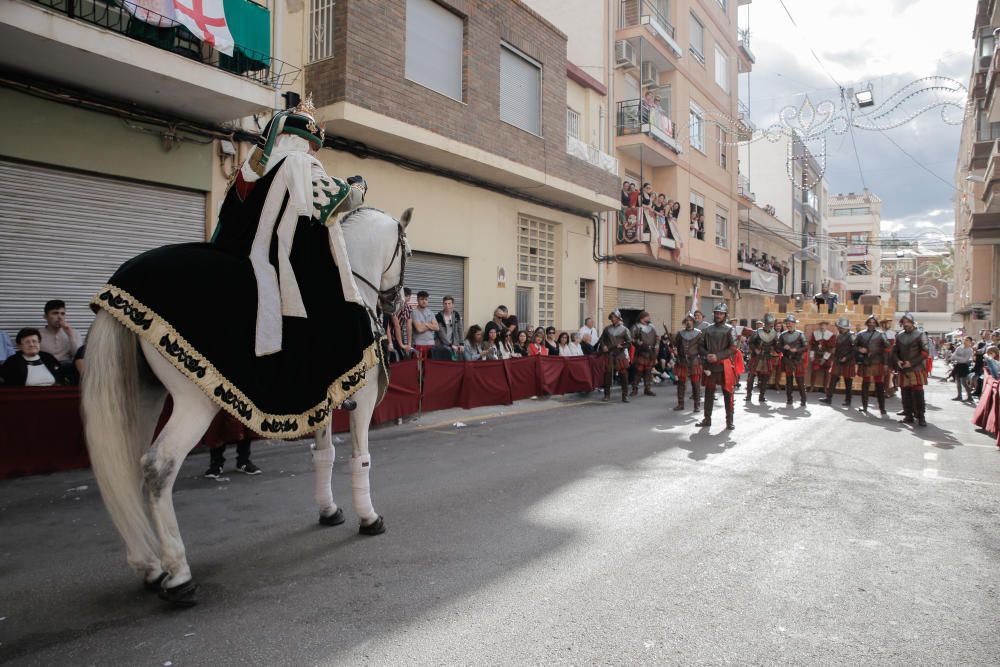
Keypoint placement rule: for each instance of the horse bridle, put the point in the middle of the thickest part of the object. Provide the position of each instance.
(386, 297)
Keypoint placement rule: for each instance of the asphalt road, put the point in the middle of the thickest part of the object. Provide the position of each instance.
(578, 533)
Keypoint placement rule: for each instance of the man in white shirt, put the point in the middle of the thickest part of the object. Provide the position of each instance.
(588, 335)
(59, 339)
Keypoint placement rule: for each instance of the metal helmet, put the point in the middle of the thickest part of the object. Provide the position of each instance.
(870, 319)
(615, 313)
(843, 323)
(768, 318)
(908, 316)
(689, 316)
(721, 308)
(791, 318)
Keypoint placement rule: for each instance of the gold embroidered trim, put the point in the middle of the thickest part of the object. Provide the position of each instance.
(147, 324)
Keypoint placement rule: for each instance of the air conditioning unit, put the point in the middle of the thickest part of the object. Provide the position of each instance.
(624, 54)
(717, 289)
(650, 75)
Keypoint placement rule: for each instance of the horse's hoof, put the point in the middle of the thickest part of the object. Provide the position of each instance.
(184, 595)
(156, 584)
(334, 519)
(376, 528)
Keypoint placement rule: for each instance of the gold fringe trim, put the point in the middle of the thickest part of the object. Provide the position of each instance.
(148, 325)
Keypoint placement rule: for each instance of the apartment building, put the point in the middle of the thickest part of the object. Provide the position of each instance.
(919, 279)
(461, 109)
(854, 222)
(120, 137)
(766, 244)
(977, 178)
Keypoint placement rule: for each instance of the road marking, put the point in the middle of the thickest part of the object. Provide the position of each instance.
(930, 456)
(930, 472)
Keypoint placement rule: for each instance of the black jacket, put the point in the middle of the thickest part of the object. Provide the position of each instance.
(15, 370)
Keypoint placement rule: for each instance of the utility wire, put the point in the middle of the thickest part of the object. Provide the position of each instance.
(916, 161)
(816, 57)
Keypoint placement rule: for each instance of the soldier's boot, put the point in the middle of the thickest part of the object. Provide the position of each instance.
(728, 397)
(848, 386)
(624, 390)
(706, 420)
(647, 382)
(635, 387)
(788, 392)
(696, 395)
(750, 379)
(829, 390)
(763, 388)
(906, 395)
(864, 397)
(920, 407)
(607, 387)
(880, 394)
(802, 392)
(680, 396)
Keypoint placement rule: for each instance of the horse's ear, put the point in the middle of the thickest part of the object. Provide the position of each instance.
(405, 219)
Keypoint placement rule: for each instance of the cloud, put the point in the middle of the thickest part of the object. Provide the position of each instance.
(931, 225)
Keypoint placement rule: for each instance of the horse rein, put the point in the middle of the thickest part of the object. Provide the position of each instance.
(387, 296)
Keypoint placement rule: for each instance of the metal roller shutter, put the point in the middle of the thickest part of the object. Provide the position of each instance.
(631, 299)
(659, 307)
(437, 275)
(63, 233)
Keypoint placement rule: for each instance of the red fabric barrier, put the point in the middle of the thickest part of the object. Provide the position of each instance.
(598, 364)
(442, 384)
(522, 377)
(484, 383)
(550, 370)
(403, 397)
(41, 431)
(576, 376)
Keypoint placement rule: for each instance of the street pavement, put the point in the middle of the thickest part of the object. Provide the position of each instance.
(563, 531)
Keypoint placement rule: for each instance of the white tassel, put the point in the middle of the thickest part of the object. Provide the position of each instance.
(323, 461)
(360, 467)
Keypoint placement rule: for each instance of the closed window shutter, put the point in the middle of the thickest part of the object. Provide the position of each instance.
(520, 91)
(434, 47)
(439, 276)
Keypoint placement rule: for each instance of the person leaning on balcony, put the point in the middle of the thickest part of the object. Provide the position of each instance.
(626, 193)
(646, 106)
(646, 197)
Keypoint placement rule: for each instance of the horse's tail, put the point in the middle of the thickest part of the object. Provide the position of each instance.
(110, 402)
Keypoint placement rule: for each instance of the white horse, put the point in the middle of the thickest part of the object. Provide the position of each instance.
(122, 400)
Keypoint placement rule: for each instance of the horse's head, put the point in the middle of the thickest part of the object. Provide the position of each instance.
(391, 287)
(376, 239)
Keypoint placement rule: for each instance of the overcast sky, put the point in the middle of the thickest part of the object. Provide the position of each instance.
(888, 43)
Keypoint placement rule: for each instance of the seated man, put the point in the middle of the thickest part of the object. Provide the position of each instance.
(59, 339)
(30, 367)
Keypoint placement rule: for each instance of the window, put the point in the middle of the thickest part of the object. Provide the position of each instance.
(520, 90)
(696, 123)
(697, 39)
(722, 227)
(572, 123)
(321, 30)
(537, 264)
(843, 212)
(435, 43)
(723, 147)
(697, 226)
(985, 130)
(987, 42)
(721, 69)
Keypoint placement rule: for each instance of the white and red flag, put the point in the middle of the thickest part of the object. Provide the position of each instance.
(206, 19)
(159, 13)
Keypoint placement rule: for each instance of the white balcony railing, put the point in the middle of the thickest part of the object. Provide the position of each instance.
(592, 154)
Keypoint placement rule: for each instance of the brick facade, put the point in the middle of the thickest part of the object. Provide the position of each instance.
(368, 69)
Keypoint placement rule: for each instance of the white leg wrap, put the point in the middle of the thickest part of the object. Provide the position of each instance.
(360, 467)
(323, 461)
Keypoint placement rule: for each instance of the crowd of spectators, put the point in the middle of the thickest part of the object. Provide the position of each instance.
(762, 261)
(657, 206)
(970, 361)
(43, 357)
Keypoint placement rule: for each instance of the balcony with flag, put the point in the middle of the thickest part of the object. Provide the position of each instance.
(202, 60)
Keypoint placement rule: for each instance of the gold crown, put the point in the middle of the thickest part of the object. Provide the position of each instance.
(306, 107)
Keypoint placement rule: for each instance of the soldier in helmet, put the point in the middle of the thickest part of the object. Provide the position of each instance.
(614, 342)
(843, 362)
(909, 356)
(717, 349)
(687, 363)
(870, 349)
(647, 343)
(764, 357)
(821, 350)
(793, 359)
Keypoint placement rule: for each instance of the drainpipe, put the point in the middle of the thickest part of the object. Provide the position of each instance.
(277, 44)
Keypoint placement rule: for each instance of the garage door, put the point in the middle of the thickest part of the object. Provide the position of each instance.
(657, 305)
(437, 275)
(63, 233)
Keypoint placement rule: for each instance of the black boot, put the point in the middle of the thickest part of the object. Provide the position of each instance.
(696, 395)
(607, 388)
(788, 392)
(919, 407)
(802, 391)
(750, 379)
(864, 397)
(680, 396)
(829, 390)
(848, 382)
(730, 409)
(907, 397)
(625, 391)
(709, 404)
(880, 394)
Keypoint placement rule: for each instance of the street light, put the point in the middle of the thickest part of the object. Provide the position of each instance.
(864, 98)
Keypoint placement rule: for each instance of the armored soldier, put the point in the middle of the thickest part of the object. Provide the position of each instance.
(699, 321)
(843, 362)
(764, 358)
(687, 363)
(821, 345)
(717, 348)
(793, 346)
(646, 347)
(909, 356)
(870, 349)
(614, 342)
